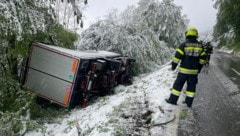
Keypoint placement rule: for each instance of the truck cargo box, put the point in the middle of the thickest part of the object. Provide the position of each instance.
(69, 77)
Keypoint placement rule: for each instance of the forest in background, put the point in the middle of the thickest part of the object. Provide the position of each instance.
(149, 32)
(227, 29)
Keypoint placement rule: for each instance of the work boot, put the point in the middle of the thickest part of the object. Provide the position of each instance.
(168, 101)
(189, 106)
(189, 101)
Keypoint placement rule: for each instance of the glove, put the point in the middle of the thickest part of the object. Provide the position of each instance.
(174, 65)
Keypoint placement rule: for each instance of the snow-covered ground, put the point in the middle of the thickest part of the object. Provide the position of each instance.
(138, 109)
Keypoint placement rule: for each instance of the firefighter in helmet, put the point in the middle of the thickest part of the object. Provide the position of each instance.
(191, 57)
(208, 48)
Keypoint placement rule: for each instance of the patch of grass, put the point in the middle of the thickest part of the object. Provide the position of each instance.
(120, 131)
(103, 128)
(72, 122)
(88, 131)
(103, 100)
(183, 114)
(44, 111)
(113, 120)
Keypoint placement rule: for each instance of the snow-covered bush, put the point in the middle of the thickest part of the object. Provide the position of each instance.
(147, 33)
(14, 108)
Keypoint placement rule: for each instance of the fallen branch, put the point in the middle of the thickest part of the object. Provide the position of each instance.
(164, 123)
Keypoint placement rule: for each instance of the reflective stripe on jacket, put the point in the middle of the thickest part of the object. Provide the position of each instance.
(191, 56)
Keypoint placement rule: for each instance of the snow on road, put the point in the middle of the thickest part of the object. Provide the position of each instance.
(138, 109)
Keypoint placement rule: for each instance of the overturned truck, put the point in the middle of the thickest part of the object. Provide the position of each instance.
(69, 78)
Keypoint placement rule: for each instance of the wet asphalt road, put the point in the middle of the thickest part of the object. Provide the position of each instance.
(216, 107)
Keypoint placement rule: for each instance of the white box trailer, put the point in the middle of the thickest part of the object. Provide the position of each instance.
(68, 77)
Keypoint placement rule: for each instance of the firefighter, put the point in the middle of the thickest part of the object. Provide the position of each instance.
(191, 57)
(208, 50)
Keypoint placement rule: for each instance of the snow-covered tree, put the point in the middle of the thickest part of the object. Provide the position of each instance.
(147, 32)
(227, 28)
(29, 20)
(21, 22)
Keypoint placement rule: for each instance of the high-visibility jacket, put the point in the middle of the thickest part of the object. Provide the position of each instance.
(208, 49)
(191, 56)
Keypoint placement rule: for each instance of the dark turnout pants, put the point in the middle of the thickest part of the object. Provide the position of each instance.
(178, 85)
